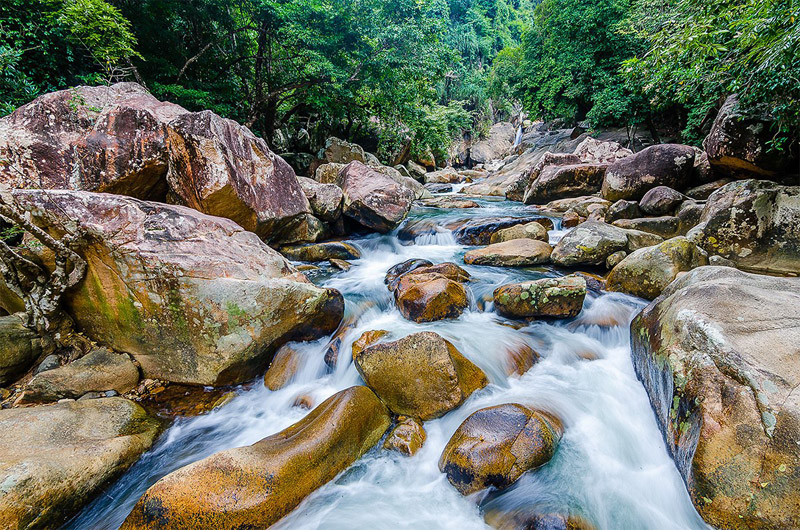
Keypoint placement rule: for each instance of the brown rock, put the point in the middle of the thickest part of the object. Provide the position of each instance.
(393, 274)
(373, 199)
(532, 230)
(430, 296)
(479, 231)
(407, 437)
(556, 182)
(283, 368)
(321, 251)
(550, 297)
(623, 209)
(661, 200)
(519, 359)
(659, 165)
(367, 339)
(325, 199)
(514, 253)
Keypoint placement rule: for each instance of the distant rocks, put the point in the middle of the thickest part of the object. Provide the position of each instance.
(551, 297)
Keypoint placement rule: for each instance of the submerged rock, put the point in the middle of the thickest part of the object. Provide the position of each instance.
(514, 253)
(19, 347)
(496, 445)
(717, 354)
(407, 437)
(56, 458)
(550, 297)
(421, 375)
(283, 367)
(373, 199)
(256, 485)
(659, 165)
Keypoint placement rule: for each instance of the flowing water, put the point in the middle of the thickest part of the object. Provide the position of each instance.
(611, 467)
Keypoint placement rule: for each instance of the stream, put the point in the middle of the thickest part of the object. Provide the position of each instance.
(611, 468)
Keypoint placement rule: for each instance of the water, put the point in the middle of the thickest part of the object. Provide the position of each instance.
(611, 468)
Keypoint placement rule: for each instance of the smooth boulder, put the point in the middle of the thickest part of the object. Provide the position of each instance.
(513, 253)
(592, 242)
(256, 485)
(534, 230)
(325, 199)
(373, 199)
(431, 293)
(659, 165)
(321, 251)
(557, 182)
(422, 375)
(661, 200)
(551, 297)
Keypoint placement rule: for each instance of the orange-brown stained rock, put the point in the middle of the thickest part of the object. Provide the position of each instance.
(430, 297)
(525, 520)
(254, 486)
(284, 366)
(407, 437)
(421, 375)
(368, 338)
(496, 445)
(520, 358)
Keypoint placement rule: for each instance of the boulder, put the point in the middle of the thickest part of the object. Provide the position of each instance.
(422, 375)
(100, 370)
(305, 229)
(753, 223)
(447, 175)
(321, 251)
(496, 145)
(256, 485)
(475, 232)
(450, 203)
(534, 230)
(195, 299)
(689, 215)
(623, 209)
(373, 199)
(56, 458)
(530, 519)
(395, 272)
(338, 151)
(717, 354)
(439, 188)
(615, 259)
(513, 253)
(283, 367)
(592, 242)
(647, 272)
(551, 297)
(496, 445)
(329, 174)
(661, 200)
(431, 293)
(597, 151)
(325, 199)
(666, 226)
(416, 171)
(556, 182)
(19, 347)
(588, 206)
(220, 168)
(367, 339)
(407, 437)
(417, 188)
(659, 165)
(704, 191)
(738, 145)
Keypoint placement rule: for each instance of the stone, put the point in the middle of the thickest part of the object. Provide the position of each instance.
(447, 175)
(557, 182)
(283, 367)
(19, 347)
(256, 485)
(596, 151)
(321, 251)
(496, 146)
(571, 220)
(422, 375)
(100, 370)
(592, 242)
(56, 458)
(661, 200)
(704, 191)
(220, 168)
(373, 199)
(340, 264)
(533, 230)
(689, 215)
(658, 165)
(395, 272)
(551, 297)
(419, 190)
(615, 259)
(416, 171)
(519, 358)
(666, 226)
(329, 174)
(717, 355)
(50, 362)
(304, 229)
(406, 438)
(647, 272)
(513, 253)
(325, 199)
(738, 145)
(589, 205)
(338, 151)
(475, 232)
(436, 187)
(494, 446)
(193, 298)
(368, 338)
(431, 293)
(524, 520)
(755, 224)
(450, 203)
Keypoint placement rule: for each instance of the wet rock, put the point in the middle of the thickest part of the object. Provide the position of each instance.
(19, 347)
(551, 297)
(571, 220)
(496, 445)
(661, 200)
(98, 371)
(519, 359)
(659, 165)
(521, 520)
(56, 458)
(592, 242)
(648, 271)
(227, 490)
(479, 231)
(407, 437)
(738, 145)
(514, 253)
(421, 375)
(666, 226)
(704, 191)
(367, 339)
(533, 230)
(717, 354)
(400, 269)
(325, 199)
(283, 368)
(340, 264)
(373, 199)
(192, 298)
(321, 251)
(556, 182)
(443, 176)
(431, 293)
(436, 187)
(753, 223)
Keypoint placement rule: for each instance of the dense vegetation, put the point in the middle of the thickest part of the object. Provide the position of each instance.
(384, 72)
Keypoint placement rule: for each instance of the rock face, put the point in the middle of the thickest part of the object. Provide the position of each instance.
(19, 347)
(431, 293)
(753, 223)
(496, 146)
(407, 437)
(514, 253)
(325, 199)
(647, 271)
(592, 242)
(496, 445)
(56, 458)
(717, 354)
(98, 371)
(556, 182)
(195, 299)
(532, 230)
(737, 145)
(421, 375)
(254, 486)
(551, 297)
(373, 199)
(220, 168)
(659, 165)
(661, 200)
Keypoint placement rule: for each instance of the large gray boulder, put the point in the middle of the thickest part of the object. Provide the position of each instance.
(659, 165)
(563, 181)
(717, 353)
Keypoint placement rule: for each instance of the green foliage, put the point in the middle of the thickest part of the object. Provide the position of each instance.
(101, 28)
